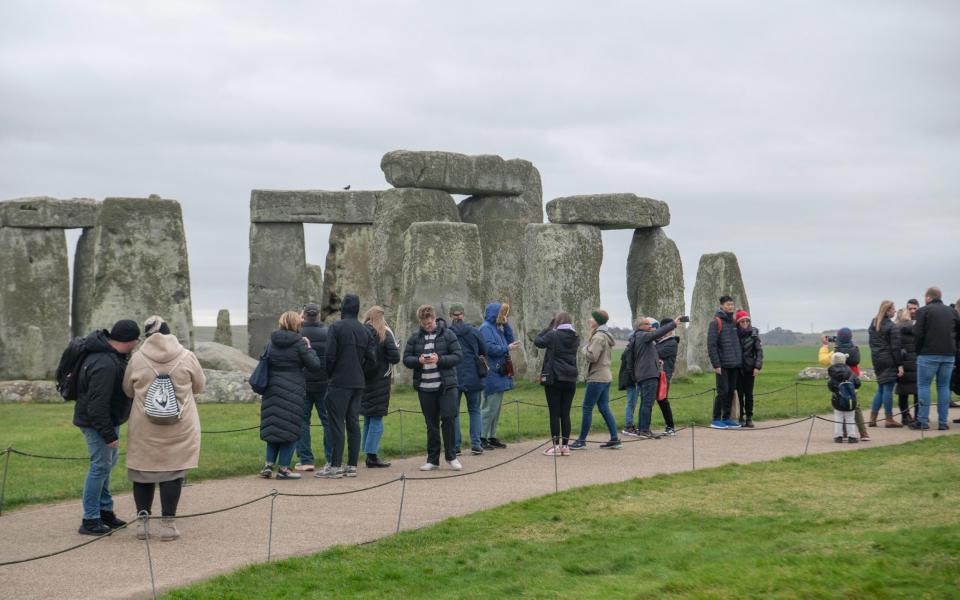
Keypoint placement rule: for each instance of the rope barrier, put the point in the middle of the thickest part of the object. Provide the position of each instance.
(65, 550)
(455, 475)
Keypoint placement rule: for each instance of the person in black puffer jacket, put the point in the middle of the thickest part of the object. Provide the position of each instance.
(281, 411)
(752, 350)
(433, 353)
(937, 332)
(885, 349)
(316, 385)
(558, 375)
(726, 359)
(907, 385)
(376, 396)
(667, 348)
(351, 355)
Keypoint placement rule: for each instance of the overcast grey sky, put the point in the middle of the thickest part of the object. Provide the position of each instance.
(819, 141)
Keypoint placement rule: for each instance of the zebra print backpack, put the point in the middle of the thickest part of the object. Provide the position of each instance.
(160, 403)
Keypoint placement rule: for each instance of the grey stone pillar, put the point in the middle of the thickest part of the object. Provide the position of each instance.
(718, 275)
(275, 281)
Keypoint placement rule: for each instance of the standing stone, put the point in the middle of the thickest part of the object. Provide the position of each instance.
(275, 280)
(223, 334)
(655, 283)
(562, 273)
(347, 269)
(718, 275)
(312, 206)
(313, 284)
(34, 301)
(396, 211)
(442, 264)
(44, 212)
(133, 264)
(610, 211)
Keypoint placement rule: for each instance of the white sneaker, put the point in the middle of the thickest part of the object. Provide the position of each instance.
(455, 465)
(429, 466)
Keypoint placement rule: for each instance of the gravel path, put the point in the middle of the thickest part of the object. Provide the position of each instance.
(116, 567)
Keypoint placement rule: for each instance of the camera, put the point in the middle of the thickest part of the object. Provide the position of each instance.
(832, 339)
(684, 319)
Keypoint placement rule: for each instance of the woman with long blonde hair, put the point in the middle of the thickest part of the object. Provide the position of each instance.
(376, 395)
(885, 347)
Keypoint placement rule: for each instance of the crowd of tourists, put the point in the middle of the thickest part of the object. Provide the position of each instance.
(344, 372)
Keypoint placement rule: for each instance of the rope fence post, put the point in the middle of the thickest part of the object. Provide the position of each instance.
(3, 484)
(273, 500)
(403, 493)
(556, 473)
(693, 445)
(517, 404)
(402, 453)
(796, 399)
(806, 447)
(144, 518)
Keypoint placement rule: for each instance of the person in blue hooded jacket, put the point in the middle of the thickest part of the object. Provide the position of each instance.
(469, 380)
(498, 338)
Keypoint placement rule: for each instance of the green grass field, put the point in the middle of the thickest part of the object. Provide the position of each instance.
(47, 429)
(877, 523)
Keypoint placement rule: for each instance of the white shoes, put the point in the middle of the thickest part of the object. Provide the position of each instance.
(430, 467)
(455, 465)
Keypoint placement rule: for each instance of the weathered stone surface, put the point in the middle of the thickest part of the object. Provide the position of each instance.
(501, 222)
(609, 211)
(655, 283)
(227, 386)
(396, 211)
(223, 358)
(312, 206)
(820, 373)
(717, 275)
(442, 264)
(133, 264)
(41, 392)
(347, 269)
(313, 282)
(49, 213)
(562, 273)
(223, 334)
(275, 280)
(34, 300)
(454, 173)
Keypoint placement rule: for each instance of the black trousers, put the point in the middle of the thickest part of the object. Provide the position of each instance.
(343, 412)
(559, 400)
(169, 496)
(440, 413)
(904, 400)
(726, 385)
(745, 383)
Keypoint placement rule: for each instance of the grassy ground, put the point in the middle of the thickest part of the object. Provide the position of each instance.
(877, 523)
(47, 429)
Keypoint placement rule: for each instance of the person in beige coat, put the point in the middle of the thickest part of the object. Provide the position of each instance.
(598, 352)
(162, 453)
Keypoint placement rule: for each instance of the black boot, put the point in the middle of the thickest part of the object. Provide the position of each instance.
(496, 443)
(373, 462)
(109, 518)
(485, 444)
(93, 527)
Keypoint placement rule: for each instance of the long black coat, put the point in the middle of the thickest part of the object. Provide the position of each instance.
(316, 332)
(908, 383)
(376, 396)
(667, 350)
(446, 346)
(560, 358)
(885, 350)
(281, 412)
(752, 349)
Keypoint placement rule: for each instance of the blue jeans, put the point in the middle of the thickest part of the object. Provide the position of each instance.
(372, 433)
(96, 487)
(280, 454)
(598, 394)
(884, 395)
(473, 410)
(304, 448)
(631, 405)
(930, 367)
(648, 395)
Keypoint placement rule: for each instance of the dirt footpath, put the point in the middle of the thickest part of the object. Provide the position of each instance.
(116, 567)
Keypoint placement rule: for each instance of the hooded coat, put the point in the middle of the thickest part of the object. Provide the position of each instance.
(172, 447)
(281, 411)
(497, 340)
(101, 403)
(908, 383)
(447, 348)
(316, 332)
(471, 342)
(723, 343)
(885, 350)
(349, 348)
(837, 375)
(376, 396)
(599, 354)
(752, 349)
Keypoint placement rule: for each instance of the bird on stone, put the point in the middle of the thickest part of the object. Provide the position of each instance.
(347, 187)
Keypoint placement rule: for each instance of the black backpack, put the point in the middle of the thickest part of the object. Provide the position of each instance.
(68, 369)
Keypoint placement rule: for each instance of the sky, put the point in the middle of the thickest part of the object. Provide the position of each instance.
(818, 140)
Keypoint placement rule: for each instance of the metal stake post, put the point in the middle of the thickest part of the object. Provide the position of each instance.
(693, 445)
(556, 475)
(402, 453)
(273, 500)
(145, 517)
(403, 493)
(813, 419)
(796, 399)
(517, 404)
(3, 485)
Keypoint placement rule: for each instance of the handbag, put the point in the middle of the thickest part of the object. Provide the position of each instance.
(482, 367)
(506, 367)
(663, 387)
(261, 374)
(160, 402)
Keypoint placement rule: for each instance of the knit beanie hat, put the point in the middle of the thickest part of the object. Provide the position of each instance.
(155, 324)
(741, 314)
(124, 330)
(456, 309)
(838, 358)
(600, 316)
(844, 334)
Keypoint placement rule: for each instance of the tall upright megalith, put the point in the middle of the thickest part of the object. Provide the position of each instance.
(34, 301)
(224, 334)
(562, 273)
(133, 264)
(655, 282)
(347, 269)
(275, 280)
(718, 275)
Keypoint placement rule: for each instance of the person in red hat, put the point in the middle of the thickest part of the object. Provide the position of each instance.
(752, 363)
